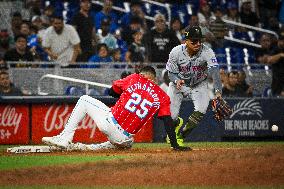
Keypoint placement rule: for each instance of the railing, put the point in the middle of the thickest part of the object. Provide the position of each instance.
(87, 83)
(230, 38)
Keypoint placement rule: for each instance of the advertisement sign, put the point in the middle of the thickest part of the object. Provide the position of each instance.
(14, 124)
(49, 120)
(254, 117)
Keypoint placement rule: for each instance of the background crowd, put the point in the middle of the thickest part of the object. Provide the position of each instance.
(79, 33)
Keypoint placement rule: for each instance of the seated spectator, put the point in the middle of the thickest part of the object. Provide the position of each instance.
(244, 87)
(232, 12)
(134, 25)
(37, 22)
(101, 56)
(106, 13)
(25, 28)
(46, 17)
(136, 51)
(176, 27)
(104, 35)
(116, 55)
(204, 13)
(61, 42)
(232, 89)
(135, 11)
(20, 53)
(6, 86)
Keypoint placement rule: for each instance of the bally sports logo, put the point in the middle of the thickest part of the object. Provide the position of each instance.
(10, 118)
(57, 116)
(247, 107)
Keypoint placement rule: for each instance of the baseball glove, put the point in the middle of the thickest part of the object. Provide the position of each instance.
(221, 109)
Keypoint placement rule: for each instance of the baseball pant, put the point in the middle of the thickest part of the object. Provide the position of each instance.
(199, 95)
(103, 118)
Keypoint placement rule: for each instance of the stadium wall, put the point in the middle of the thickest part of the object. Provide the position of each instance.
(25, 120)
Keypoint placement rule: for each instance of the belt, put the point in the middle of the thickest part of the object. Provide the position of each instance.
(119, 127)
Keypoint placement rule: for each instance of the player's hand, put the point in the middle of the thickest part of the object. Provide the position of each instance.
(181, 148)
(218, 95)
(179, 83)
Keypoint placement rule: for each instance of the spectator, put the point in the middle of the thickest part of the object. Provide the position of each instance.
(135, 11)
(232, 12)
(165, 84)
(34, 44)
(37, 22)
(193, 21)
(136, 51)
(268, 10)
(25, 29)
(176, 27)
(276, 60)
(204, 13)
(6, 86)
(266, 49)
(85, 28)
(135, 24)
(16, 22)
(247, 16)
(3, 64)
(218, 28)
(160, 40)
(101, 56)
(4, 42)
(20, 52)
(232, 89)
(104, 35)
(106, 13)
(116, 55)
(61, 42)
(245, 88)
(47, 16)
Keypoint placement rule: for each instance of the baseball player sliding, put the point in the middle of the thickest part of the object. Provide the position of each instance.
(140, 99)
(189, 65)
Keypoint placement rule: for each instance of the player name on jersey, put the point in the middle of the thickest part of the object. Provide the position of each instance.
(147, 88)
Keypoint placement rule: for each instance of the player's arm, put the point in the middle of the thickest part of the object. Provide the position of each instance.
(172, 67)
(214, 72)
(169, 126)
(117, 86)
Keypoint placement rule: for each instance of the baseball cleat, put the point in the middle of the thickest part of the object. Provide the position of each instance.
(178, 136)
(55, 141)
(78, 147)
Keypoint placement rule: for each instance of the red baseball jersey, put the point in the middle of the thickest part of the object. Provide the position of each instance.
(140, 100)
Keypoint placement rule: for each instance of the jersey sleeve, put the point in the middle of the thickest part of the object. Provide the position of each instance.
(118, 85)
(172, 64)
(210, 58)
(165, 107)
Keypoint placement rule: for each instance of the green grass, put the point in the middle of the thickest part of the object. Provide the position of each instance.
(24, 161)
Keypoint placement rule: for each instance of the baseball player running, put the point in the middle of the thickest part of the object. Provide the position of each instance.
(140, 99)
(189, 65)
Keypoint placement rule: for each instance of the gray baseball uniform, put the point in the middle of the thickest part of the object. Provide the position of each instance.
(194, 71)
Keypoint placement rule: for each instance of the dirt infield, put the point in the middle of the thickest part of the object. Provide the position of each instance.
(162, 167)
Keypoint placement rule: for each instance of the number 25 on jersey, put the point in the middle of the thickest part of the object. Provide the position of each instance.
(134, 102)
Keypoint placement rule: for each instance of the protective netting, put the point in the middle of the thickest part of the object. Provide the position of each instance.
(30, 79)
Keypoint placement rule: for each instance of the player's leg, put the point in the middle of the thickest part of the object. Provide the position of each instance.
(200, 98)
(176, 97)
(97, 110)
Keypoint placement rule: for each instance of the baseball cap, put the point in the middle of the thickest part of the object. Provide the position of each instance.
(193, 33)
